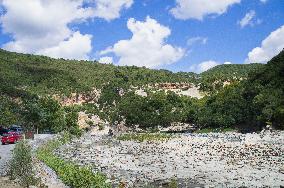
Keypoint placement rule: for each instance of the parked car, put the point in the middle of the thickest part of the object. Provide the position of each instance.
(17, 128)
(2, 131)
(10, 137)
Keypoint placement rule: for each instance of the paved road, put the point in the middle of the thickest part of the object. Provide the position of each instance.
(6, 151)
(5, 154)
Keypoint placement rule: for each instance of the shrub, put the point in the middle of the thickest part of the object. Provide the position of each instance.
(215, 130)
(101, 127)
(70, 173)
(72, 124)
(141, 137)
(20, 166)
(91, 123)
(173, 183)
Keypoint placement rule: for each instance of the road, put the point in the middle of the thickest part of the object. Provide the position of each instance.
(5, 154)
(6, 151)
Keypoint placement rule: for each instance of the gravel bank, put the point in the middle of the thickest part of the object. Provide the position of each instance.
(212, 160)
(47, 175)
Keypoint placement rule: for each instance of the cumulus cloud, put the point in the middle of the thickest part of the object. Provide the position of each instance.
(106, 60)
(76, 47)
(147, 47)
(195, 40)
(204, 66)
(198, 9)
(110, 9)
(40, 26)
(227, 63)
(270, 47)
(249, 19)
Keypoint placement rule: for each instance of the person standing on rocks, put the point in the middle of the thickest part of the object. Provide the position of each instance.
(110, 132)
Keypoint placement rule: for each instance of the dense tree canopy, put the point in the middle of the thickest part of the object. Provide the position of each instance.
(253, 99)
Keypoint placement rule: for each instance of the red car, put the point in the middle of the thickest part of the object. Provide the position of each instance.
(10, 137)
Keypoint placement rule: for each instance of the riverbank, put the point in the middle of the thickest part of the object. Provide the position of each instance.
(210, 160)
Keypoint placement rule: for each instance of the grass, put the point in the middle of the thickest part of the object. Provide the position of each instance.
(70, 173)
(214, 130)
(173, 183)
(141, 137)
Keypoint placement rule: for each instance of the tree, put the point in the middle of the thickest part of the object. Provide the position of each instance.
(44, 113)
(8, 111)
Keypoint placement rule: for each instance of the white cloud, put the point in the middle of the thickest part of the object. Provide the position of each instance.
(270, 47)
(40, 26)
(204, 66)
(247, 19)
(263, 1)
(198, 9)
(106, 60)
(147, 47)
(194, 40)
(76, 47)
(227, 63)
(110, 9)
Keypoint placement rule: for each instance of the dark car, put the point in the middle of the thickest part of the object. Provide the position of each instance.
(16, 128)
(2, 131)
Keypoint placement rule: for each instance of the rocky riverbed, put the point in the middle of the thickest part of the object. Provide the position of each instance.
(46, 174)
(195, 160)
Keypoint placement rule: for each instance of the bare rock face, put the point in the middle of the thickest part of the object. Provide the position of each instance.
(173, 85)
(87, 120)
(187, 89)
(121, 128)
(211, 160)
(79, 98)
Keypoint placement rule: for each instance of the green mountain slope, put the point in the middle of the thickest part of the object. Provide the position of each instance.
(250, 104)
(40, 74)
(253, 99)
(44, 75)
(264, 90)
(214, 78)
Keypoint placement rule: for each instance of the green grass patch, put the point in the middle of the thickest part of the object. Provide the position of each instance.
(141, 137)
(70, 173)
(215, 130)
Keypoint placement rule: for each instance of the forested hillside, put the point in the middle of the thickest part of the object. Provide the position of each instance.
(252, 103)
(28, 84)
(215, 78)
(42, 75)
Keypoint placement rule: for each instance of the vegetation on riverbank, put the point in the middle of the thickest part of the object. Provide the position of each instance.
(71, 174)
(141, 137)
(212, 130)
(21, 165)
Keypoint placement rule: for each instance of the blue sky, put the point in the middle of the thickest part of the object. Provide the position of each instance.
(178, 35)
